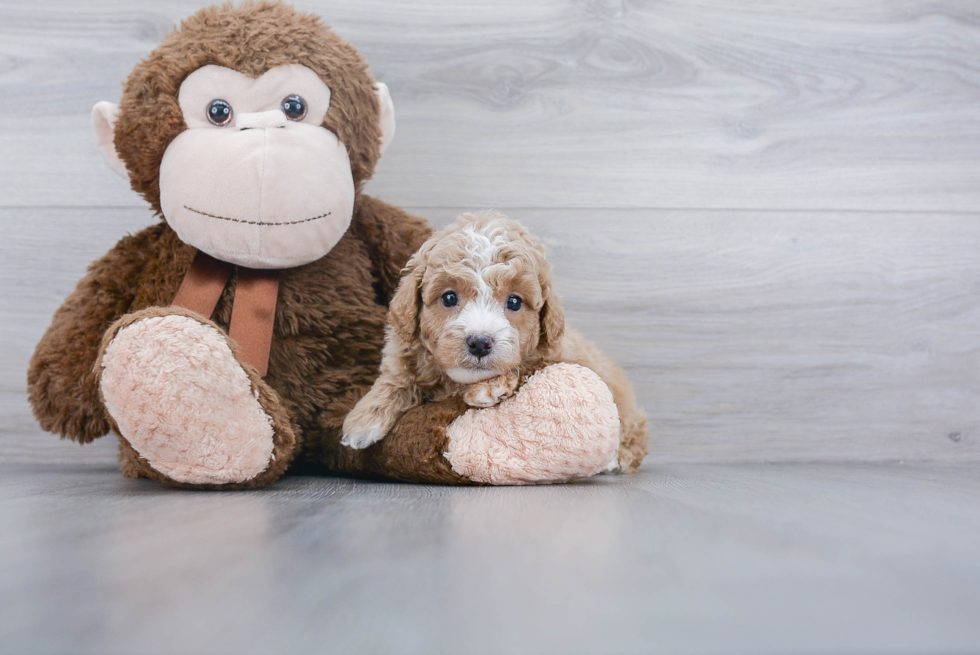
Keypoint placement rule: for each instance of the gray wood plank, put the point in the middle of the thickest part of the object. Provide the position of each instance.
(749, 336)
(829, 105)
(678, 559)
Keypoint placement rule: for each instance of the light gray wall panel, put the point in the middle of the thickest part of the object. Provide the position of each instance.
(843, 328)
(805, 105)
(749, 335)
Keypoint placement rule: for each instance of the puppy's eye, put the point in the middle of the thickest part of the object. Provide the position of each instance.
(294, 107)
(449, 299)
(219, 113)
(514, 303)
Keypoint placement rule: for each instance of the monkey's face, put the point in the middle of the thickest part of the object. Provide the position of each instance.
(256, 179)
(250, 130)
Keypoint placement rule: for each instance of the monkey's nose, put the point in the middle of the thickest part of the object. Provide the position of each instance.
(479, 345)
(260, 119)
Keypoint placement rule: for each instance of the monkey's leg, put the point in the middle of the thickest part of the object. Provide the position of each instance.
(188, 411)
(562, 424)
(411, 452)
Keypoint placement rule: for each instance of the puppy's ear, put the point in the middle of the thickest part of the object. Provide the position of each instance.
(406, 303)
(552, 319)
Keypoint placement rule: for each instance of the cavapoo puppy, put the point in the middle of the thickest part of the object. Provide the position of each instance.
(475, 314)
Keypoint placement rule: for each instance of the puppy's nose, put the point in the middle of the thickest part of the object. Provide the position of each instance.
(479, 345)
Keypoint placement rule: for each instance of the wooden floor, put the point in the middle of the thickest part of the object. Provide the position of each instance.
(685, 558)
(769, 213)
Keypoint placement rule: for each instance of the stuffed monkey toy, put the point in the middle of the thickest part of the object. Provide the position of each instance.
(226, 343)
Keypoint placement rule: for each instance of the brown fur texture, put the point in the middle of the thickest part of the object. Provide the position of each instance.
(330, 314)
(326, 345)
(414, 451)
(330, 317)
(250, 38)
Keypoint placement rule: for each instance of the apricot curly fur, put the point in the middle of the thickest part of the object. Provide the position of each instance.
(418, 328)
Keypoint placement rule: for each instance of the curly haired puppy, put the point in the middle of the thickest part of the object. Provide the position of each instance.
(475, 314)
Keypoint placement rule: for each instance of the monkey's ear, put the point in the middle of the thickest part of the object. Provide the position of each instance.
(104, 115)
(387, 120)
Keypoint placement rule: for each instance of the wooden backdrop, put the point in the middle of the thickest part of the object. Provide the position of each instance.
(767, 212)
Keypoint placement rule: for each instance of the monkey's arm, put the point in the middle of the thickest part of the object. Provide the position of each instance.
(391, 235)
(61, 383)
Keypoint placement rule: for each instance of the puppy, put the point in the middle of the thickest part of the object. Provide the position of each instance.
(474, 315)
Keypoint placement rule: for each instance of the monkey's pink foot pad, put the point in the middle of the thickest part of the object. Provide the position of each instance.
(179, 396)
(561, 425)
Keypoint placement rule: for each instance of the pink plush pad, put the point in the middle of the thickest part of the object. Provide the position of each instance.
(184, 403)
(561, 425)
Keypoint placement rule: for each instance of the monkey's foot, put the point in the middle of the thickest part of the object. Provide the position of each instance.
(187, 410)
(561, 425)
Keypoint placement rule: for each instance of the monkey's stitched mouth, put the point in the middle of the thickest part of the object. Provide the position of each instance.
(238, 220)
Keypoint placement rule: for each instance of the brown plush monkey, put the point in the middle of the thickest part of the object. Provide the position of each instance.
(251, 131)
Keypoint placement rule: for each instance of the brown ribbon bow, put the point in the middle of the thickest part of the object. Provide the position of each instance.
(253, 311)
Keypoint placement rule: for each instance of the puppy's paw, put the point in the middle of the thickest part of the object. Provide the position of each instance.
(362, 439)
(613, 466)
(480, 395)
(361, 432)
(490, 392)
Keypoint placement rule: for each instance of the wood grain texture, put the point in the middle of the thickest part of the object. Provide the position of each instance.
(749, 336)
(758, 334)
(767, 212)
(678, 559)
(607, 103)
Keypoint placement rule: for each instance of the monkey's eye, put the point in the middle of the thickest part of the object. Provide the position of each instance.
(449, 299)
(294, 107)
(219, 113)
(514, 303)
